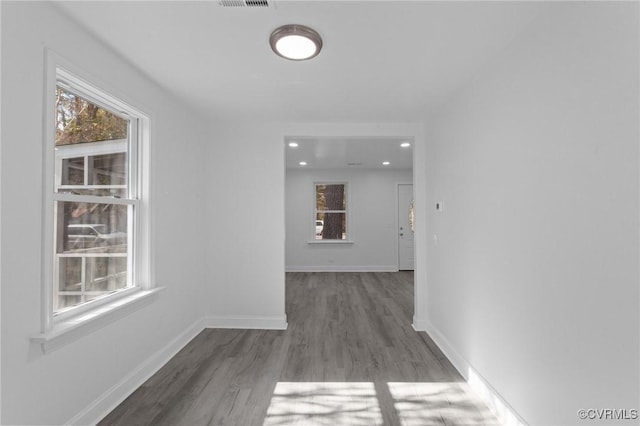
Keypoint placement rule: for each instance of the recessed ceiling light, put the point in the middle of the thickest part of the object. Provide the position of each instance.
(295, 42)
(385, 163)
(303, 163)
(293, 144)
(405, 144)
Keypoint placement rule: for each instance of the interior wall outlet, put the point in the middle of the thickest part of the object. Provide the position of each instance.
(439, 206)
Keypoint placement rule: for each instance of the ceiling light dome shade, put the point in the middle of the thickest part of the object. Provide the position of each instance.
(295, 42)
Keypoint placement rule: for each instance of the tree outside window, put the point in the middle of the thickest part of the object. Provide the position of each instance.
(331, 211)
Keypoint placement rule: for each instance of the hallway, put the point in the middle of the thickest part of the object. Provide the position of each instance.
(348, 357)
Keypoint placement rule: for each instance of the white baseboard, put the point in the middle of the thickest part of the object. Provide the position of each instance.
(496, 403)
(419, 324)
(109, 400)
(452, 355)
(259, 323)
(342, 268)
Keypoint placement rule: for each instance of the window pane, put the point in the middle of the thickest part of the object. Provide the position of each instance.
(334, 226)
(108, 169)
(319, 225)
(81, 121)
(91, 255)
(106, 273)
(70, 272)
(67, 301)
(91, 227)
(411, 216)
(73, 171)
(104, 174)
(330, 197)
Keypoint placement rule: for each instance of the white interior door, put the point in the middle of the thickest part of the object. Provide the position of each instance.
(405, 227)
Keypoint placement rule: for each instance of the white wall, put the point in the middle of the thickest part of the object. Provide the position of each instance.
(372, 197)
(245, 233)
(0, 220)
(245, 195)
(534, 279)
(58, 386)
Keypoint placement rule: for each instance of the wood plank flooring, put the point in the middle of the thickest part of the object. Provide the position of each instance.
(349, 357)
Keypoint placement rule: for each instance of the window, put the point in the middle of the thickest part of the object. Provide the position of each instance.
(97, 204)
(411, 216)
(330, 211)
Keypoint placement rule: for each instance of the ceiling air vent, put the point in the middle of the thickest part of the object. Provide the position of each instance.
(244, 3)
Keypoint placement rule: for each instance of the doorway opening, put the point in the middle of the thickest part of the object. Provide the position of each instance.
(347, 204)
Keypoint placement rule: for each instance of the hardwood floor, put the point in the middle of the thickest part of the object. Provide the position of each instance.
(349, 357)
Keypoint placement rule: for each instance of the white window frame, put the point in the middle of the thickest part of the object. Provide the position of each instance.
(60, 72)
(347, 200)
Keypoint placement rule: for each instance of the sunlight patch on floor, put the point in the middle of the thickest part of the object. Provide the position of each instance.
(324, 404)
(427, 404)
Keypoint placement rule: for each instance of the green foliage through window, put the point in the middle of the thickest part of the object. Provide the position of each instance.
(80, 121)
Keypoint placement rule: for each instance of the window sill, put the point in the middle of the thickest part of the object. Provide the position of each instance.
(330, 242)
(77, 326)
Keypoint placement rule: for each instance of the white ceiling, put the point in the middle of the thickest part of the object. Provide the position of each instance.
(349, 153)
(386, 61)
(382, 61)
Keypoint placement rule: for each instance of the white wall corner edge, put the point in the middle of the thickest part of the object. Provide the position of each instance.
(506, 415)
(114, 396)
(248, 322)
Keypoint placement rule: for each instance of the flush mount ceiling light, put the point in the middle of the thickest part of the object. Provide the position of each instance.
(293, 144)
(295, 42)
(405, 144)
